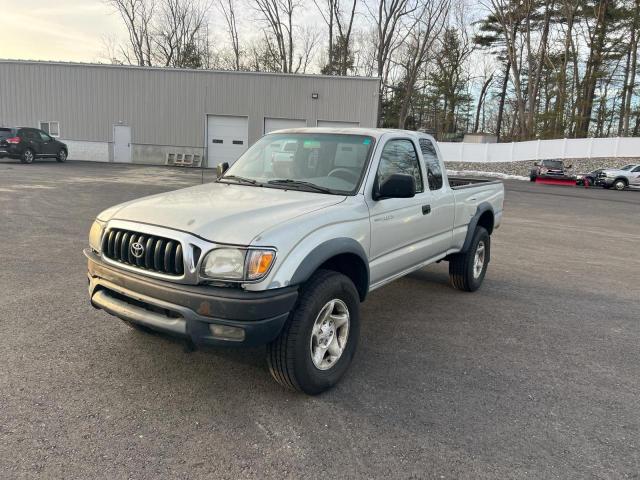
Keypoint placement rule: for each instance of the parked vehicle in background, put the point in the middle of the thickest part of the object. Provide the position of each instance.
(27, 144)
(588, 179)
(620, 178)
(284, 246)
(549, 169)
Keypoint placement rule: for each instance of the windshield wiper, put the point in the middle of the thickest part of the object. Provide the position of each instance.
(238, 179)
(299, 183)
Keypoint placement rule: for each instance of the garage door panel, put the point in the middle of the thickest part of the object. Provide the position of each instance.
(271, 124)
(337, 124)
(227, 138)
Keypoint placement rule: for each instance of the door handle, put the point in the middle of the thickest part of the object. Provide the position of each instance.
(426, 209)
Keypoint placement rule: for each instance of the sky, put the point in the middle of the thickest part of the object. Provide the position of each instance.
(64, 30)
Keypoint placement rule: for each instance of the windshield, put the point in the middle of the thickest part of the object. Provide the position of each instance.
(627, 167)
(555, 164)
(321, 162)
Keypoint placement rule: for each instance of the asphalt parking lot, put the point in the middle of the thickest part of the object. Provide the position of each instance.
(536, 375)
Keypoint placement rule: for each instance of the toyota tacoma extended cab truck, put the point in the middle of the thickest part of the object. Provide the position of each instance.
(284, 246)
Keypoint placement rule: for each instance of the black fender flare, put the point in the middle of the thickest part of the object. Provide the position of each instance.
(473, 223)
(327, 250)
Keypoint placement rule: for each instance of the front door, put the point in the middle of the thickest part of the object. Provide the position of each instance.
(634, 179)
(48, 144)
(400, 227)
(122, 144)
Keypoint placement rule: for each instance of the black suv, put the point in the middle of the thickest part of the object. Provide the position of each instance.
(27, 144)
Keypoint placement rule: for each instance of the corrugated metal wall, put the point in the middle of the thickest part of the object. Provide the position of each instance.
(168, 107)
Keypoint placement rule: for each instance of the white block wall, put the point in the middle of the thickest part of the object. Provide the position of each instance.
(90, 151)
(617, 147)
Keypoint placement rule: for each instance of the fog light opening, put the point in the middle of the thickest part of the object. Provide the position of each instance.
(225, 332)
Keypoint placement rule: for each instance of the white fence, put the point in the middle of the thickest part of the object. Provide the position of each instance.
(540, 149)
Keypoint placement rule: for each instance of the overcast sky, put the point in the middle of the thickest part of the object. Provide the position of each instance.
(57, 29)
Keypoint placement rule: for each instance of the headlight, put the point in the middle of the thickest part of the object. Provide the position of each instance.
(95, 235)
(237, 264)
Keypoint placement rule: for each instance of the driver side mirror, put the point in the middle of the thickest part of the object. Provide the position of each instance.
(397, 185)
(221, 168)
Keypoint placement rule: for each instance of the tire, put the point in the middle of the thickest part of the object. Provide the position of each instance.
(290, 355)
(464, 273)
(27, 156)
(62, 156)
(532, 178)
(620, 184)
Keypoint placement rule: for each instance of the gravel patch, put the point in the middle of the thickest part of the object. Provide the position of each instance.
(580, 165)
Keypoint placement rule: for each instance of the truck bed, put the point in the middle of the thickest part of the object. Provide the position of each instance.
(458, 183)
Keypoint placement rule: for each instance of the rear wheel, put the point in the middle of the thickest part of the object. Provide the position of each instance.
(467, 270)
(532, 178)
(62, 155)
(319, 340)
(620, 184)
(27, 156)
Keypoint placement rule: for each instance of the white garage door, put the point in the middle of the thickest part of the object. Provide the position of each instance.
(337, 124)
(271, 124)
(227, 138)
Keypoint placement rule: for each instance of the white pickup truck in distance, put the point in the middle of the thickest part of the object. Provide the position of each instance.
(284, 246)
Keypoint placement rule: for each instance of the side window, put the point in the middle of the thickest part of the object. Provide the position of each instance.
(44, 137)
(27, 134)
(635, 170)
(434, 171)
(399, 156)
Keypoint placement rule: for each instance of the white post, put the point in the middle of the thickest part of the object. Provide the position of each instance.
(538, 150)
(590, 147)
(513, 146)
(462, 151)
(486, 152)
(564, 148)
(616, 147)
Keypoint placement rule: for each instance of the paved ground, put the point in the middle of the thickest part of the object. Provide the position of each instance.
(534, 376)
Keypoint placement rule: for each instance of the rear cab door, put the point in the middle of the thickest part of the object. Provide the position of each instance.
(401, 228)
(31, 140)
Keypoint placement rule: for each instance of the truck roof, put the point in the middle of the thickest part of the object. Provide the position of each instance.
(372, 132)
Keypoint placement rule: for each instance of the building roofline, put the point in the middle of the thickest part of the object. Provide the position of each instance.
(193, 70)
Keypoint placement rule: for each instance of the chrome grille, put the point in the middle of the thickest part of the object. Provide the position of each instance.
(159, 254)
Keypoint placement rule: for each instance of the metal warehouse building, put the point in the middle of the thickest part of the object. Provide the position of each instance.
(113, 113)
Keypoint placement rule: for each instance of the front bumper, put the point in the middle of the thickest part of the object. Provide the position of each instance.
(189, 311)
(608, 181)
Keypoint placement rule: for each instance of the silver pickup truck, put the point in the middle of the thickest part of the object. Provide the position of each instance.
(284, 246)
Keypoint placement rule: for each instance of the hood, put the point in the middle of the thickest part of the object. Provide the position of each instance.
(615, 171)
(221, 212)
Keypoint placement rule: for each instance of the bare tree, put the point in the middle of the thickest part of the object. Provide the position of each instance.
(387, 18)
(180, 32)
(278, 14)
(428, 23)
(137, 16)
(227, 7)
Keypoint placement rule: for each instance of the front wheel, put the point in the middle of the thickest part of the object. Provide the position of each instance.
(319, 340)
(620, 185)
(467, 270)
(62, 156)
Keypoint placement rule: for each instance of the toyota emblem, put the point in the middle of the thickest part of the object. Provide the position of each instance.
(137, 249)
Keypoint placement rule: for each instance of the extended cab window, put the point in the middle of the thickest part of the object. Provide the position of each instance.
(434, 172)
(399, 156)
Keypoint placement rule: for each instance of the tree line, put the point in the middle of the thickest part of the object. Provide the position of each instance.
(517, 69)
